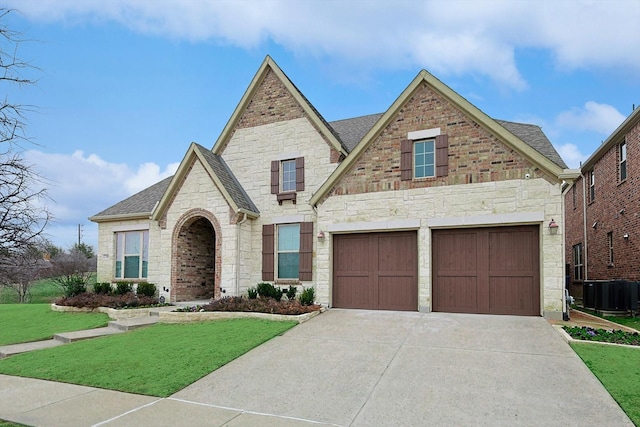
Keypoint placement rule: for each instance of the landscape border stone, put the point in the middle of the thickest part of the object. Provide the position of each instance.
(167, 315)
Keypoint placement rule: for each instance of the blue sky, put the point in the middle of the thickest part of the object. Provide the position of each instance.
(124, 86)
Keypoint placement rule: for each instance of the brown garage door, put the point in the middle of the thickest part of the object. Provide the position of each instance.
(487, 270)
(375, 271)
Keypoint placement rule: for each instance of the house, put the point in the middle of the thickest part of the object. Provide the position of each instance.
(430, 206)
(602, 238)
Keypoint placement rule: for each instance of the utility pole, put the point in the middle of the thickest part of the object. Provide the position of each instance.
(79, 234)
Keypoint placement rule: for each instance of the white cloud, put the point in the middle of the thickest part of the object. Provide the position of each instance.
(452, 37)
(571, 155)
(82, 185)
(601, 118)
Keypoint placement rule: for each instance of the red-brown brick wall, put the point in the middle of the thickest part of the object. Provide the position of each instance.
(475, 155)
(574, 231)
(616, 209)
(196, 264)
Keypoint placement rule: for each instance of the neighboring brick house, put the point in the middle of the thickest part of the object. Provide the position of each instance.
(602, 239)
(431, 205)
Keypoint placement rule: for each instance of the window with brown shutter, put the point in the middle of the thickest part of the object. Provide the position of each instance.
(442, 155)
(306, 251)
(268, 248)
(289, 168)
(406, 160)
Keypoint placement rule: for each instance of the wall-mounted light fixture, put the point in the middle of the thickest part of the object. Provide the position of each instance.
(320, 235)
(553, 227)
(625, 236)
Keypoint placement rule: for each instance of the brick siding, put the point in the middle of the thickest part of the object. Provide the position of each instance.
(475, 155)
(616, 209)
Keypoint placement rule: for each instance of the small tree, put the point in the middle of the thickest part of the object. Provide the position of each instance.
(20, 268)
(71, 271)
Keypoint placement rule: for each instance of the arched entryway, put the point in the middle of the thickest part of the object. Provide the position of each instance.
(196, 257)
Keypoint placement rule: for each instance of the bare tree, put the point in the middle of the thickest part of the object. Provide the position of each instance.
(22, 219)
(19, 271)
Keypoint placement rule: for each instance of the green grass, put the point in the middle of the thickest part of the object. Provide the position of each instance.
(35, 322)
(4, 423)
(617, 369)
(42, 291)
(157, 360)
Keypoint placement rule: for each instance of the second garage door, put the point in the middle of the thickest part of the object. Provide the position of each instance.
(487, 270)
(375, 271)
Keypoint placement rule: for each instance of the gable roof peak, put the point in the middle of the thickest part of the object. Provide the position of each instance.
(268, 64)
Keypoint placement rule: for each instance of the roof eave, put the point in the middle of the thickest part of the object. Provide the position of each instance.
(613, 139)
(120, 217)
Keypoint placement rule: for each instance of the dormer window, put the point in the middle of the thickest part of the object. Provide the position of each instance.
(287, 178)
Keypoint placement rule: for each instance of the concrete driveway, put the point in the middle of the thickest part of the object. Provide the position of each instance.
(377, 368)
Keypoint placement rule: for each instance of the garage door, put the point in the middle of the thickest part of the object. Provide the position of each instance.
(487, 270)
(375, 271)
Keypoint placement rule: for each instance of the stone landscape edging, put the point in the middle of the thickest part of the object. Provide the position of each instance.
(569, 339)
(166, 316)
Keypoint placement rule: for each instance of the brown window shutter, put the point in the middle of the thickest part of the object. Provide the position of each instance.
(275, 177)
(306, 251)
(442, 155)
(268, 248)
(406, 160)
(299, 173)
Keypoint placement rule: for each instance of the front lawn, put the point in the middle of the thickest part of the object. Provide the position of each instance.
(36, 322)
(617, 369)
(158, 360)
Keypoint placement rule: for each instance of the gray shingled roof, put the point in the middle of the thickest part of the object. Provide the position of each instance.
(228, 180)
(351, 131)
(140, 203)
(535, 138)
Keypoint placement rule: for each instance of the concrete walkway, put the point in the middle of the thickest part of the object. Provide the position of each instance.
(358, 368)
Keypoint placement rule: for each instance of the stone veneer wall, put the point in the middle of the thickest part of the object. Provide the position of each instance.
(493, 203)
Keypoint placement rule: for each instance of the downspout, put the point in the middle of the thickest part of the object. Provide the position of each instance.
(584, 225)
(565, 314)
(238, 226)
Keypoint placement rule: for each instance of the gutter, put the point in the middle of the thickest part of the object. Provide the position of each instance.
(238, 227)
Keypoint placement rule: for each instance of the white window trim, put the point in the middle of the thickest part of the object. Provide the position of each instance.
(130, 227)
(423, 134)
(413, 158)
(124, 255)
(282, 162)
(278, 252)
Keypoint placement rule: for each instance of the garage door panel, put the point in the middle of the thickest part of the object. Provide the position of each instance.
(394, 252)
(456, 295)
(505, 262)
(347, 255)
(513, 295)
(395, 291)
(353, 292)
(456, 252)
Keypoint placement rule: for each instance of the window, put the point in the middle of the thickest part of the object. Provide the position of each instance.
(424, 159)
(610, 246)
(622, 153)
(288, 251)
(132, 254)
(287, 178)
(578, 269)
(592, 186)
(289, 175)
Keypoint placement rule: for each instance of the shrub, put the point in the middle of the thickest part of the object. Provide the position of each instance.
(74, 285)
(253, 293)
(102, 288)
(258, 305)
(267, 290)
(146, 289)
(91, 300)
(123, 288)
(291, 292)
(307, 296)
